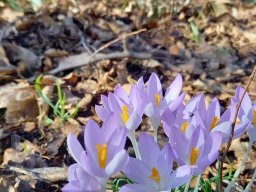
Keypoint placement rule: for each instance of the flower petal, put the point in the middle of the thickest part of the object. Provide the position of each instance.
(154, 87)
(133, 121)
(119, 161)
(135, 166)
(180, 176)
(174, 89)
(75, 147)
(149, 149)
(137, 188)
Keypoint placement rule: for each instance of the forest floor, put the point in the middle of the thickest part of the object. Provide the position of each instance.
(93, 46)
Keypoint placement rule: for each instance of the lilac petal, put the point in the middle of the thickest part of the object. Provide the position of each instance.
(168, 118)
(152, 110)
(72, 187)
(250, 113)
(104, 101)
(115, 104)
(179, 144)
(240, 129)
(137, 188)
(246, 103)
(154, 87)
(102, 112)
(92, 137)
(193, 103)
(165, 161)
(149, 149)
(75, 147)
(120, 92)
(109, 126)
(117, 163)
(135, 166)
(177, 102)
(138, 99)
(71, 172)
(211, 150)
(180, 176)
(228, 115)
(133, 121)
(87, 181)
(116, 143)
(213, 110)
(91, 165)
(174, 89)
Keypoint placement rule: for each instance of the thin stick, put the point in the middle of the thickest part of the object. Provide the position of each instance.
(124, 36)
(233, 129)
(84, 59)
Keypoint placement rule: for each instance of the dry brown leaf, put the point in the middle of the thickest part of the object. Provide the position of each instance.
(8, 92)
(18, 54)
(23, 107)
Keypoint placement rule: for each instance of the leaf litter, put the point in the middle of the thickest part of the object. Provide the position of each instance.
(211, 43)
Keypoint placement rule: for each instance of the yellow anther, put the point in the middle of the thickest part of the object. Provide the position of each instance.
(155, 175)
(215, 122)
(158, 99)
(125, 114)
(194, 155)
(254, 118)
(102, 155)
(184, 126)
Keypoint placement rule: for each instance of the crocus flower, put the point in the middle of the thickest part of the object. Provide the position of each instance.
(247, 111)
(127, 109)
(195, 148)
(213, 121)
(158, 103)
(104, 153)
(81, 181)
(155, 171)
(182, 116)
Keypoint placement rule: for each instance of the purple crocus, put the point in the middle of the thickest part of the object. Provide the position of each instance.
(213, 121)
(158, 103)
(155, 171)
(80, 180)
(195, 148)
(127, 108)
(182, 116)
(247, 111)
(104, 153)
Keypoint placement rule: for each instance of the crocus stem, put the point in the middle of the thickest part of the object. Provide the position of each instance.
(235, 176)
(155, 124)
(248, 187)
(187, 184)
(131, 136)
(197, 183)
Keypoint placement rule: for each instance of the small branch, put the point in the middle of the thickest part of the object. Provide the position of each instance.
(51, 174)
(122, 37)
(233, 129)
(83, 59)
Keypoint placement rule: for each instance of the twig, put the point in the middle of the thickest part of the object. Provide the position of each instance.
(85, 59)
(51, 174)
(124, 36)
(233, 129)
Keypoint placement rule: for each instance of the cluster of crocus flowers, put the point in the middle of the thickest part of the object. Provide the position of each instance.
(195, 131)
